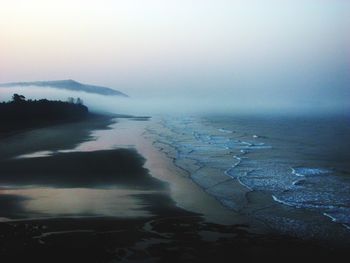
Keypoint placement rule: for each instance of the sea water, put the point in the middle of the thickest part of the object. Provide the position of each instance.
(300, 162)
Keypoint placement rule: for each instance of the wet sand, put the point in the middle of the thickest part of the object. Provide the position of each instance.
(117, 198)
(55, 137)
(183, 191)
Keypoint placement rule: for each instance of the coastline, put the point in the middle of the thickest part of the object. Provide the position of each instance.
(181, 186)
(231, 192)
(64, 135)
(179, 221)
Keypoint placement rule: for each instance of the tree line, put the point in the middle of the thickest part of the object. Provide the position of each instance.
(35, 111)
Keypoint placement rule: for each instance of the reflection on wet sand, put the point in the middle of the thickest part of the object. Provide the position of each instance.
(96, 178)
(106, 139)
(53, 202)
(103, 202)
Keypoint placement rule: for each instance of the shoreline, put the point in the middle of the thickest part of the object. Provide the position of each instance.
(181, 217)
(318, 228)
(59, 136)
(181, 186)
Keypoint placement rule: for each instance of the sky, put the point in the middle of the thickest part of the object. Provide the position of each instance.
(271, 54)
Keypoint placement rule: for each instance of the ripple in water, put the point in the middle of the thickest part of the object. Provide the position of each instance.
(224, 154)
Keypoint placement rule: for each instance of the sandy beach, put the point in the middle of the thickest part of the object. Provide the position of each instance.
(100, 191)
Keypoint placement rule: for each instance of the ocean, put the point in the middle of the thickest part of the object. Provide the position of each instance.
(262, 165)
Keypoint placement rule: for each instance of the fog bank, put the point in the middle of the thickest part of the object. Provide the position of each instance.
(184, 104)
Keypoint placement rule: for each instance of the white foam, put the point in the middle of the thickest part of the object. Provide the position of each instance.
(297, 174)
(331, 217)
(346, 226)
(305, 171)
(225, 131)
(245, 185)
(246, 143)
(276, 199)
(260, 147)
(321, 193)
(336, 221)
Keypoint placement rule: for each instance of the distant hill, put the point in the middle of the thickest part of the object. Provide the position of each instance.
(68, 85)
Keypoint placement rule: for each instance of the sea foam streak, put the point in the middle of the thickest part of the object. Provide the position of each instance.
(210, 154)
(304, 171)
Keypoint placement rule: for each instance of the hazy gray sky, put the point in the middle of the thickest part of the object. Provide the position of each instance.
(248, 52)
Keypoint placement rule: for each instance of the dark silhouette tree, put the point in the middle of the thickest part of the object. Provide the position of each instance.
(70, 100)
(21, 113)
(16, 98)
(79, 101)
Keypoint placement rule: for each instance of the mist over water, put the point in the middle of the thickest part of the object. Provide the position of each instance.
(195, 56)
(217, 126)
(160, 104)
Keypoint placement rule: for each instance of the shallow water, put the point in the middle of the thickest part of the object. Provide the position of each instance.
(46, 202)
(300, 162)
(254, 166)
(58, 198)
